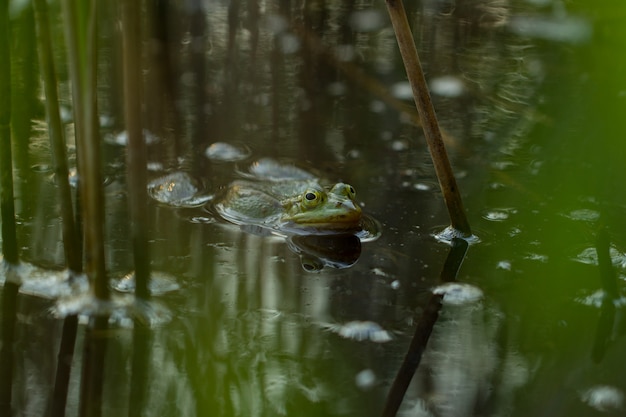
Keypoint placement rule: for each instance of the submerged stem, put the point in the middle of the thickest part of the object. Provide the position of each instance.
(426, 111)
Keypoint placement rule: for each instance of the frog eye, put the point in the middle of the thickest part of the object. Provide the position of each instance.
(345, 190)
(351, 191)
(312, 198)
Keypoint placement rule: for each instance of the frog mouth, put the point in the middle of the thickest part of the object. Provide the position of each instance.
(341, 216)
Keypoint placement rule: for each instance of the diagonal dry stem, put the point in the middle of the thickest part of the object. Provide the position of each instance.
(426, 111)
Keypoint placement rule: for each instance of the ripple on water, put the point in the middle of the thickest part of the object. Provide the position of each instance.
(178, 189)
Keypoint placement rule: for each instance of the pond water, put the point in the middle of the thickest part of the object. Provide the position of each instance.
(244, 322)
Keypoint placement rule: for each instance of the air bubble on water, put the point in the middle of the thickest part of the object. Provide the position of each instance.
(399, 145)
(496, 215)
(276, 23)
(288, 43)
(589, 256)
(226, 152)
(121, 138)
(531, 256)
(354, 154)
(586, 215)
(597, 298)
(377, 106)
(344, 53)
(41, 282)
(177, 189)
(360, 331)
(379, 272)
(456, 293)
(448, 235)
(337, 88)
(366, 20)
(402, 90)
(515, 231)
(395, 284)
(504, 265)
(603, 398)
(121, 310)
(447, 86)
(561, 29)
(159, 283)
(420, 186)
(366, 379)
(154, 166)
(201, 219)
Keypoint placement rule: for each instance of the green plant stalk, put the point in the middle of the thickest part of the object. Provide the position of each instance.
(426, 111)
(136, 150)
(80, 34)
(71, 241)
(7, 207)
(57, 141)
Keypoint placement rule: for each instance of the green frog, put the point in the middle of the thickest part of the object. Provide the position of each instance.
(287, 198)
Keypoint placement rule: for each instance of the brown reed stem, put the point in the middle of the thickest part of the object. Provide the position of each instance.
(426, 111)
(136, 150)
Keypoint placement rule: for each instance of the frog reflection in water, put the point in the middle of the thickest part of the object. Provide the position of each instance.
(295, 205)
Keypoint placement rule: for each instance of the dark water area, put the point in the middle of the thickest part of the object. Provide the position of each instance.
(249, 321)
